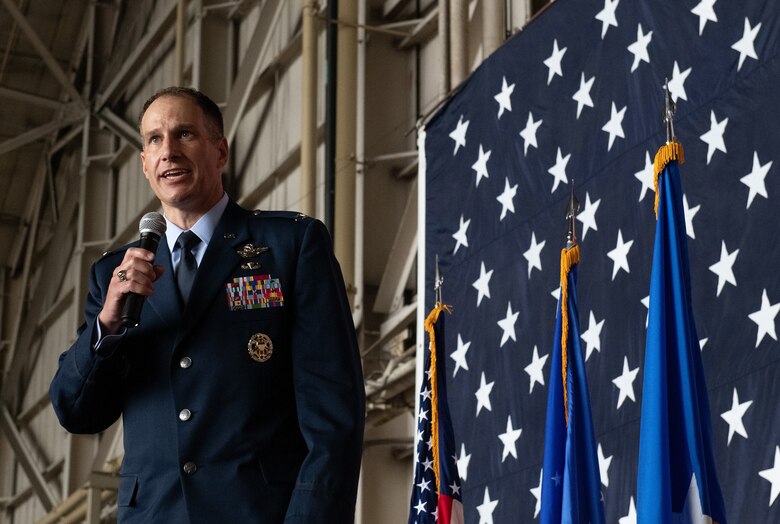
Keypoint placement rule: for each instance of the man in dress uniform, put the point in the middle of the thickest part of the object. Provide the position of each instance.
(240, 390)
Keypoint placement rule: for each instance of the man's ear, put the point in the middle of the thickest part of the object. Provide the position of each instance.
(224, 152)
(143, 164)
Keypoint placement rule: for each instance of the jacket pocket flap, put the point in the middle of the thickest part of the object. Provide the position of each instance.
(128, 489)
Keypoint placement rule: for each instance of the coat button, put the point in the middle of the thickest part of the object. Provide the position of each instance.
(190, 468)
(184, 415)
(185, 362)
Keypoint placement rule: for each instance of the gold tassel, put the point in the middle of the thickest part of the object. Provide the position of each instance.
(668, 152)
(569, 257)
(433, 317)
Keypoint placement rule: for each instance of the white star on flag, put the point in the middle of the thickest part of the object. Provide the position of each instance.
(528, 133)
(463, 462)
(582, 96)
(487, 508)
(746, 45)
(773, 476)
(460, 235)
(483, 395)
(631, 517)
(592, 336)
(509, 439)
(765, 318)
(724, 267)
(424, 485)
(503, 98)
(506, 199)
(689, 213)
(733, 417)
(705, 11)
(615, 125)
(646, 176)
(482, 284)
(619, 255)
(756, 179)
(677, 83)
(537, 493)
(459, 134)
(639, 48)
(534, 254)
(714, 137)
(480, 166)
(459, 356)
(604, 463)
(535, 370)
(625, 383)
(507, 325)
(553, 62)
(558, 171)
(607, 16)
(588, 215)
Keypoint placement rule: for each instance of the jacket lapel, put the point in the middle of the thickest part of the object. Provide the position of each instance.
(165, 299)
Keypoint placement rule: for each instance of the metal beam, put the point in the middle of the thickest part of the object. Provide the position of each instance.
(39, 46)
(423, 31)
(250, 65)
(21, 96)
(138, 57)
(400, 259)
(120, 127)
(34, 134)
(39, 484)
(36, 196)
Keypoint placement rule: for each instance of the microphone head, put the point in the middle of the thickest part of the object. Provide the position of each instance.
(153, 223)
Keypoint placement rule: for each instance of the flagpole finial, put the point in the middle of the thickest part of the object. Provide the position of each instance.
(669, 108)
(572, 208)
(438, 282)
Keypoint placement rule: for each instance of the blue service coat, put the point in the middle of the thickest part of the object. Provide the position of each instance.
(211, 434)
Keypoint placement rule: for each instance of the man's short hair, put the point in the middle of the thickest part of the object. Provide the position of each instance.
(210, 109)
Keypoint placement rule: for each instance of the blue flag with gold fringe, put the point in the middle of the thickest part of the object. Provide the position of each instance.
(570, 475)
(677, 480)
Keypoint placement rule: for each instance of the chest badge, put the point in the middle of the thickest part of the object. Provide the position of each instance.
(250, 250)
(260, 347)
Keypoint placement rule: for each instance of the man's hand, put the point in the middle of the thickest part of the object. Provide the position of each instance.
(135, 274)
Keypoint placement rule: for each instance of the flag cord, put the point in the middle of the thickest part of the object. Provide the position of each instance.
(569, 257)
(429, 328)
(670, 151)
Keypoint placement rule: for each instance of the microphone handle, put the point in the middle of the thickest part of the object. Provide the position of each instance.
(131, 312)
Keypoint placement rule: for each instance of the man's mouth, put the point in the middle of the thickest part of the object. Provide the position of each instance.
(174, 173)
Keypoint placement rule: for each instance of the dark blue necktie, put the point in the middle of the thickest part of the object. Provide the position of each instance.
(188, 266)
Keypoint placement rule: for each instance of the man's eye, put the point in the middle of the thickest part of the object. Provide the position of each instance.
(154, 140)
(186, 134)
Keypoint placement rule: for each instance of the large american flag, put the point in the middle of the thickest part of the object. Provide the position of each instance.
(576, 99)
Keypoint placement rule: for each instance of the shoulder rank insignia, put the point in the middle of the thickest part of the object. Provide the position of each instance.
(249, 251)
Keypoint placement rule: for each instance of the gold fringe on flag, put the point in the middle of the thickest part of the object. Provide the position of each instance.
(430, 322)
(569, 257)
(668, 152)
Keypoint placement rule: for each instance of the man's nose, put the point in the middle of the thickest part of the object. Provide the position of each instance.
(170, 150)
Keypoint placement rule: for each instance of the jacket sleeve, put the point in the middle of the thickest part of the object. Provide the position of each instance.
(329, 391)
(85, 391)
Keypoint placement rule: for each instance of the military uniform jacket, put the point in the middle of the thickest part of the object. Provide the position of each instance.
(213, 434)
